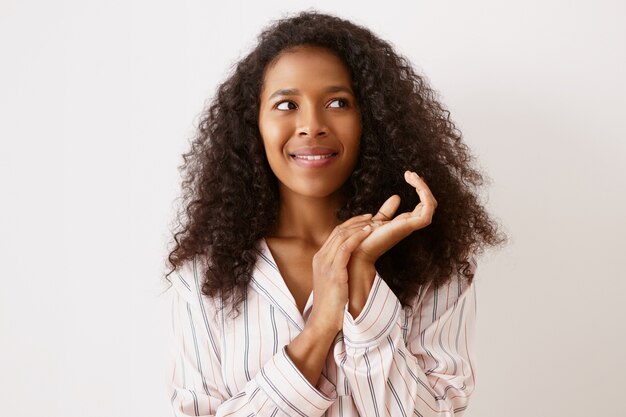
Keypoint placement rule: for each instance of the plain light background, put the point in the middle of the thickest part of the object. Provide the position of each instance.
(99, 99)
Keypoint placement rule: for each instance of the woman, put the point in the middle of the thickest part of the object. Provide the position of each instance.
(315, 273)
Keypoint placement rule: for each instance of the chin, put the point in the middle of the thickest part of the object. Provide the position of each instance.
(315, 192)
(314, 189)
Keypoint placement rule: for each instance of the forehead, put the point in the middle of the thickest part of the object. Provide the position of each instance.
(305, 67)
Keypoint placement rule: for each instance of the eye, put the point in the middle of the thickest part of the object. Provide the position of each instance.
(342, 103)
(287, 102)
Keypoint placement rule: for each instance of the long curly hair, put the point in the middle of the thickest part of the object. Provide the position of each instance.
(230, 197)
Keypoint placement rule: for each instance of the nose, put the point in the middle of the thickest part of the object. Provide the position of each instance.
(311, 123)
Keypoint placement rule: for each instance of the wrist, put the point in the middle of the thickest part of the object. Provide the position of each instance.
(361, 279)
(320, 327)
(308, 352)
(360, 266)
(360, 276)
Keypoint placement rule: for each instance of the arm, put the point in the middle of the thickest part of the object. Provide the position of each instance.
(309, 350)
(428, 372)
(196, 385)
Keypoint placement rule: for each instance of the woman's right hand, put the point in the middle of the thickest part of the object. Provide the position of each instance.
(330, 273)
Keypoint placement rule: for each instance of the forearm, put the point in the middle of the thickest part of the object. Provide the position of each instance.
(309, 350)
(361, 280)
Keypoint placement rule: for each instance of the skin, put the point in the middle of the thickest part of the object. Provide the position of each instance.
(313, 117)
(342, 265)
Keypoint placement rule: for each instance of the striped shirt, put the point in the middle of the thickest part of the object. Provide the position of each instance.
(389, 361)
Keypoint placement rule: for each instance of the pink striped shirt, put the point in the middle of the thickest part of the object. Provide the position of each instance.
(389, 361)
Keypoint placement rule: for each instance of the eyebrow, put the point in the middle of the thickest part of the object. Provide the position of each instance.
(296, 92)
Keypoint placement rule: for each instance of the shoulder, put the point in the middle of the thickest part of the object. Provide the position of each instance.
(187, 281)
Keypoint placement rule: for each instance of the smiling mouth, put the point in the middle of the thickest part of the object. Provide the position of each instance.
(314, 157)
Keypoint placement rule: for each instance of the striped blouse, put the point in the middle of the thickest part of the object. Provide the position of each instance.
(389, 361)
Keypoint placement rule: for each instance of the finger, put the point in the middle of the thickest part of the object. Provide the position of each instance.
(346, 247)
(388, 209)
(342, 233)
(356, 219)
(427, 199)
(351, 221)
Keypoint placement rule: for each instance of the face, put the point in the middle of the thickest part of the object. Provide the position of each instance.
(309, 122)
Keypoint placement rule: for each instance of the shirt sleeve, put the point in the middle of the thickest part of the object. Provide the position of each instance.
(196, 386)
(427, 371)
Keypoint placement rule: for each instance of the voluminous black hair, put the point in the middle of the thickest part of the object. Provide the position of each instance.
(230, 196)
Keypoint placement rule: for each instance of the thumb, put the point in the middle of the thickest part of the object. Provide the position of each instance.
(388, 209)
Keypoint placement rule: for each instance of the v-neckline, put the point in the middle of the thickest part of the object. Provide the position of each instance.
(272, 285)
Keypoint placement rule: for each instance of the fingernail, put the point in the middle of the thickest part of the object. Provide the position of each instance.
(368, 227)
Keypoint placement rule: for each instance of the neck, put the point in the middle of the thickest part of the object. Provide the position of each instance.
(309, 219)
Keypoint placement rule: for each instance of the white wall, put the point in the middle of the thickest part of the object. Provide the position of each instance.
(98, 100)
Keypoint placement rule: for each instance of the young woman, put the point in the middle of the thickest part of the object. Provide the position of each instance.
(315, 272)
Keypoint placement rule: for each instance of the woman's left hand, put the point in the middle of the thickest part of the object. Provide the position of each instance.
(389, 230)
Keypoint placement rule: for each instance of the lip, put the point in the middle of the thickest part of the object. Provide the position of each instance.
(315, 163)
(316, 150)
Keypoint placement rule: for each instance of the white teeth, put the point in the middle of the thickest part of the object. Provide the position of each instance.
(313, 157)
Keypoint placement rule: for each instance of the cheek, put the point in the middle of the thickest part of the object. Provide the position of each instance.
(274, 135)
(352, 132)
(272, 143)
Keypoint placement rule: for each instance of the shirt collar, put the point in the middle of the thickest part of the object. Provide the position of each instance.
(269, 283)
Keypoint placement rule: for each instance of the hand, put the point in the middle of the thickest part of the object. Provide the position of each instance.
(388, 231)
(330, 274)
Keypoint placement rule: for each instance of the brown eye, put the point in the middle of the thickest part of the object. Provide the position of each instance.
(290, 105)
(342, 103)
